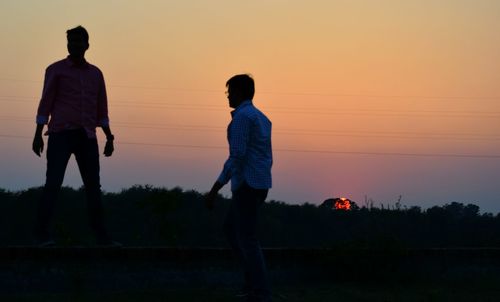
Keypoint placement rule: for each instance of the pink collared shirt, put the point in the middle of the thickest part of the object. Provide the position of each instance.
(74, 97)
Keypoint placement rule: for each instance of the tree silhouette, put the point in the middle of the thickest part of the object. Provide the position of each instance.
(149, 216)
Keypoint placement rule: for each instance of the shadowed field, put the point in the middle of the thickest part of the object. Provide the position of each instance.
(210, 274)
(340, 292)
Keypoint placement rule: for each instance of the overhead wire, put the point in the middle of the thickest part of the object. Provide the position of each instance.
(432, 97)
(295, 110)
(302, 132)
(317, 151)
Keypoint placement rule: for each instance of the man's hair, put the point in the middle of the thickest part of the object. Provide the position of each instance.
(78, 31)
(244, 84)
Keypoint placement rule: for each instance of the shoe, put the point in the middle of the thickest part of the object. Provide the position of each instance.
(267, 297)
(243, 293)
(251, 298)
(46, 243)
(109, 243)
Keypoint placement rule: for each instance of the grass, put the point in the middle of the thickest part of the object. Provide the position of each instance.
(348, 292)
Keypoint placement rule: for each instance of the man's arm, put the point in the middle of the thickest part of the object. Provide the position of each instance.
(238, 140)
(44, 108)
(109, 148)
(102, 117)
(37, 145)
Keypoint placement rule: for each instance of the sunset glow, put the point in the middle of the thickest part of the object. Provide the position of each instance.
(374, 99)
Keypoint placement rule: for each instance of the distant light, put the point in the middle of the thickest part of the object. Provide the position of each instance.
(342, 204)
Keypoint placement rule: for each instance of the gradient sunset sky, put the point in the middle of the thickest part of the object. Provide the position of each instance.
(367, 98)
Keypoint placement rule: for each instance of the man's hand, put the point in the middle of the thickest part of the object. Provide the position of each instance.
(37, 144)
(212, 195)
(109, 148)
(210, 200)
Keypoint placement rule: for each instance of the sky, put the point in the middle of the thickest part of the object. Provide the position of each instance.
(370, 100)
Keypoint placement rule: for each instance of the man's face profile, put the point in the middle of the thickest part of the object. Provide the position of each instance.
(233, 97)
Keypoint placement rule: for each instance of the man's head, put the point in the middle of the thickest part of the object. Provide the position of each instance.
(240, 88)
(78, 41)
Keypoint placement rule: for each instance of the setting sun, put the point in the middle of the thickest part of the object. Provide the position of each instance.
(343, 204)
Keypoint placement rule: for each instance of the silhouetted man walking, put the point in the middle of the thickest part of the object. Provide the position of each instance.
(74, 97)
(249, 169)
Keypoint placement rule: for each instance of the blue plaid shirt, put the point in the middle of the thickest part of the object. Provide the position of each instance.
(250, 153)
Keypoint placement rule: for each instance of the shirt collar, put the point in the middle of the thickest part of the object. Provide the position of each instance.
(72, 64)
(240, 106)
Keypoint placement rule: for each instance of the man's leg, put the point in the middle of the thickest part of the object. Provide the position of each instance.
(231, 231)
(58, 154)
(247, 202)
(87, 158)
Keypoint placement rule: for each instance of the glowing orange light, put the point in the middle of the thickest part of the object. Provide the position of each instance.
(342, 204)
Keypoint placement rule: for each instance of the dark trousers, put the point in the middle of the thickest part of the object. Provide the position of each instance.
(240, 227)
(60, 147)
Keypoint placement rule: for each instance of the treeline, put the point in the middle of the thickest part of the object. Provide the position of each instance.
(148, 216)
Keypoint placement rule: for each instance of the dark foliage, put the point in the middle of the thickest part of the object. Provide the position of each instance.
(148, 216)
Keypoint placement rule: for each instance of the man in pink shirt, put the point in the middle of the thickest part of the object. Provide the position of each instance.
(74, 97)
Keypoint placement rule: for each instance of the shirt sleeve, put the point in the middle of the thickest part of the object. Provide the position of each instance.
(48, 97)
(102, 105)
(238, 137)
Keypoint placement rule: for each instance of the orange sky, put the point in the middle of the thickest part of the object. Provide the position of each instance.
(404, 77)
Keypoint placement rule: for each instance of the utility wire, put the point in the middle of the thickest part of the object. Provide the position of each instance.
(304, 132)
(284, 93)
(308, 111)
(431, 97)
(163, 104)
(308, 132)
(398, 154)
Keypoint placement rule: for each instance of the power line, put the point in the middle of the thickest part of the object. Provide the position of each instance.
(330, 112)
(332, 134)
(439, 155)
(19, 80)
(362, 112)
(397, 154)
(161, 104)
(198, 90)
(298, 132)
